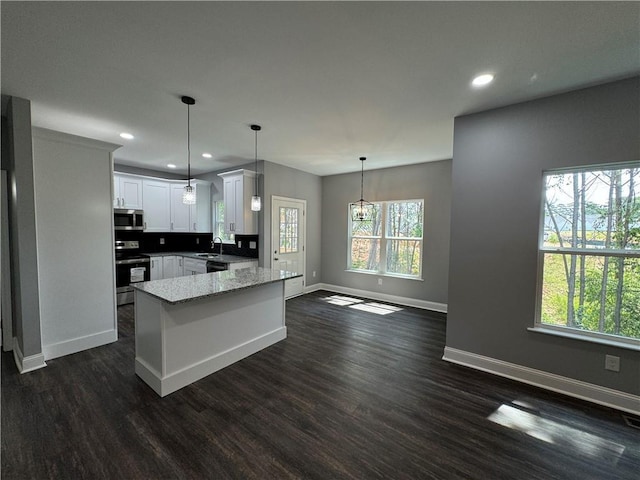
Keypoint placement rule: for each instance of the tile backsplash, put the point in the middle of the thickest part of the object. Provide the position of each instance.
(190, 242)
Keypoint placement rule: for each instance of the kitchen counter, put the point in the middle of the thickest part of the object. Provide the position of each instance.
(185, 289)
(187, 328)
(209, 256)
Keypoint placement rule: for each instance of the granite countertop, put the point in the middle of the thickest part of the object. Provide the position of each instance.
(210, 256)
(191, 287)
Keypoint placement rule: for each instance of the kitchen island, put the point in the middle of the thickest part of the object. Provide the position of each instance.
(189, 327)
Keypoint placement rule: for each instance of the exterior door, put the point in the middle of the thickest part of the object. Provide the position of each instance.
(288, 231)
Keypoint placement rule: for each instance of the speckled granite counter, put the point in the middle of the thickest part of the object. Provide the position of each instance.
(184, 289)
(189, 327)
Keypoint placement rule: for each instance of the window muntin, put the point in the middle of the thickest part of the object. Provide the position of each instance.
(288, 237)
(390, 242)
(590, 252)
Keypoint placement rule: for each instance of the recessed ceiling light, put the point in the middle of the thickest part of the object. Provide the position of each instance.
(482, 80)
(126, 135)
(171, 165)
(206, 155)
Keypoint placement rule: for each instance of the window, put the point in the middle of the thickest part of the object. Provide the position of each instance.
(390, 242)
(288, 230)
(218, 223)
(590, 252)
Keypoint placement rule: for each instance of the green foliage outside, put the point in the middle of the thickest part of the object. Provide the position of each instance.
(399, 229)
(596, 212)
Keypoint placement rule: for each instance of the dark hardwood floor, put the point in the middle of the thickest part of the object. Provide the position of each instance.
(350, 394)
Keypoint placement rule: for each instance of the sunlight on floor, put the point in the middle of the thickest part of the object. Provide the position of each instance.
(342, 301)
(570, 439)
(358, 304)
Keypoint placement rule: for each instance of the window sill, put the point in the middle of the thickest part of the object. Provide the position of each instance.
(631, 345)
(388, 275)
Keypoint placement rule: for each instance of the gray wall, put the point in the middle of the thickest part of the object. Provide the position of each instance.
(431, 181)
(22, 227)
(498, 160)
(290, 182)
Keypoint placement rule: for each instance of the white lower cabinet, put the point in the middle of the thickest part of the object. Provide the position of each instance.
(179, 266)
(156, 268)
(169, 266)
(194, 267)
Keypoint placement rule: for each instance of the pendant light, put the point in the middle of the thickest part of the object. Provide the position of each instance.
(256, 201)
(189, 194)
(361, 210)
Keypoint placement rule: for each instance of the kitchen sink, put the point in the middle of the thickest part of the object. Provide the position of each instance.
(206, 255)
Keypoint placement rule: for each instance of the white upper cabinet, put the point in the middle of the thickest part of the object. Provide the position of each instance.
(156, 195)
(180, 213)
(127, 191)
(161, 201)
(237, 191)
(201, 211)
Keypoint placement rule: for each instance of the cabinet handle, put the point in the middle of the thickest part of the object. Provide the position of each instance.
(194, 226)
(145, 225)
(171, 225)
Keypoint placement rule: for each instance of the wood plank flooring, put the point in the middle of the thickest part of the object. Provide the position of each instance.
(350, 394)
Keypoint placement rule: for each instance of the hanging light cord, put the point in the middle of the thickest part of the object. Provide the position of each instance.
(361, 180)
(256, 157)
(188, 146)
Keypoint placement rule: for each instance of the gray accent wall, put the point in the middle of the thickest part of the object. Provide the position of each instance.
(430, 181)
(289, 182)
(498, 160)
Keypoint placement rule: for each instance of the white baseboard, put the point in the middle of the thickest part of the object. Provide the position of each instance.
(549, 381)
(79, 344)
(175, 381)
(409, 302)
(26, 364)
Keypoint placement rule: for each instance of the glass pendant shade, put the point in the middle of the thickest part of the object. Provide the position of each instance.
(256, 203)
(189, 195)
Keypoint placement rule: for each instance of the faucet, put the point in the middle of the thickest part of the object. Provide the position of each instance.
(213, 244)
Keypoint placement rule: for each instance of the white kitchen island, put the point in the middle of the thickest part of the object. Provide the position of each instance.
(189, 327)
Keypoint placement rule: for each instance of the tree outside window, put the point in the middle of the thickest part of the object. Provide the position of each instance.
(590, 251)
(390, 241)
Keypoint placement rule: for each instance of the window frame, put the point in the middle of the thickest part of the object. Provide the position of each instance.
(217, 226)
(567, 331)
(383, 241)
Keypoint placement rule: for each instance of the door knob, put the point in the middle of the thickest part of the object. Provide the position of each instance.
(275, 258)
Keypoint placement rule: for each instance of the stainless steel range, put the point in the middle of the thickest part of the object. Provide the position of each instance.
(131, 267)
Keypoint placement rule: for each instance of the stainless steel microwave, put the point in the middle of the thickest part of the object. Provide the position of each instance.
(125, 219)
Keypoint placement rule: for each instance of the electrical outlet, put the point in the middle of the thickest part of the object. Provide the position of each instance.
(379, 281)
(197, 241)
(162, 241)
(612, 363)
(253, 245)
(314, 273)
(239, 243)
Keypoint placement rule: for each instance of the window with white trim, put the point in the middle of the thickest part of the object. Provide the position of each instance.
(389, 241)
(589, 252)
(218, 223)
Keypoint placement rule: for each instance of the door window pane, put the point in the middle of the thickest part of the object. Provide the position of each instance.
(288, 230)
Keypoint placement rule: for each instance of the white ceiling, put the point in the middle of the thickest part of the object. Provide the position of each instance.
(328, 81)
